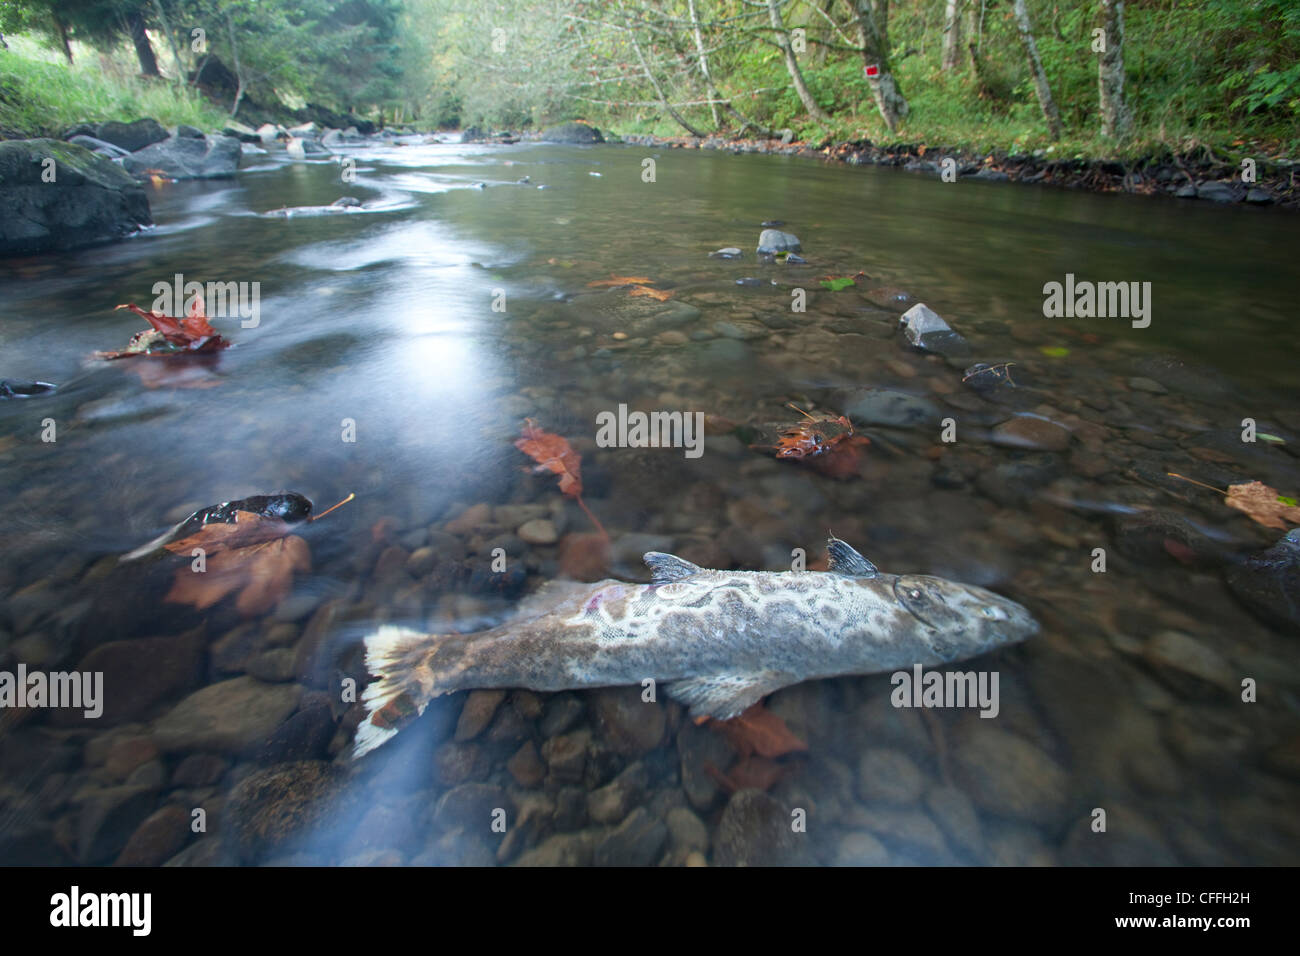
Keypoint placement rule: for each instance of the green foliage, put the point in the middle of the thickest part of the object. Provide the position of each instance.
(1220, 73)
(44, 98)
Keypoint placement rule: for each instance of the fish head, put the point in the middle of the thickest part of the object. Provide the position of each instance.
(962, 620)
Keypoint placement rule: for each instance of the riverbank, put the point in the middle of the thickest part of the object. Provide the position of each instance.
(1203, 176)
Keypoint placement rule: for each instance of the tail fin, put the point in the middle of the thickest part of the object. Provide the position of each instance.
(400, 660)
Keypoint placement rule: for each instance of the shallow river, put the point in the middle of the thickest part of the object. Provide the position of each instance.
(398, 349)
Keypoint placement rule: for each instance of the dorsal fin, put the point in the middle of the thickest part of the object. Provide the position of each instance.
(846, 561)
(665, 568)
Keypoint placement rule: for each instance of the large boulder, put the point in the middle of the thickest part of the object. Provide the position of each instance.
(78, 200)
(132, 137)
(185, 157)
(577, 133)
(126, 136)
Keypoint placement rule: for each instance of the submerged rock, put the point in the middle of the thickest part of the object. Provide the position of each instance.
(755, 830)
(772, 241)
(1032, 431)
(24, 389)
(89, 199)
(887, 406)
(925, 329)
(226, 717)
(1268, 583)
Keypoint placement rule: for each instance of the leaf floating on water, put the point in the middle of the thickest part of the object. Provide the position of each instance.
(1054, 351)
(844, 460)
(247, 529)
(171, 336)
(809, 438)
(1270, 438)
(759, 731)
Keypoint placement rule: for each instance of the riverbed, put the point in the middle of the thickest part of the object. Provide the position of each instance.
(397, 349)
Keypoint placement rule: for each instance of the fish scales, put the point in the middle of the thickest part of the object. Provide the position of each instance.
(720, 640)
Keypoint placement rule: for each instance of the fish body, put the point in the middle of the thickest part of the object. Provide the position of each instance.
(720, 640)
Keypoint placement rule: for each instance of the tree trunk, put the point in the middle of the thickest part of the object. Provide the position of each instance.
(239, 70)
(1116, 120)
(951, 34)
(63, 37)
(143, 51)
(974, 31)
(873, 39)
(1041, 87)
(792, 65)
(704, 65)
(659, 90)
(171, 40)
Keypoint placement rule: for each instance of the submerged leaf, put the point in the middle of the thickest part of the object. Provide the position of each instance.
(261, 574)
(759, 731)
(552, 453)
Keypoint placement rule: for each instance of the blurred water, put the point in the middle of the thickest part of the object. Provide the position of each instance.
(384, 318)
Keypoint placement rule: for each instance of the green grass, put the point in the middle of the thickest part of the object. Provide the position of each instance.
(42, 98)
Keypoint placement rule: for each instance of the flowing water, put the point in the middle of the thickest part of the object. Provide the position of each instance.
(397, 350)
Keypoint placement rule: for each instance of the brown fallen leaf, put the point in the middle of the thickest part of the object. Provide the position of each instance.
(617, 280)
(262, 574)
(662, 295)
(759, 731)
(844, 460)
(248, 528)
(554, 453)
(171, 336)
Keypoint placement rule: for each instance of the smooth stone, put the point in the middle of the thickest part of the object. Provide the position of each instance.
(771, 241)
(755, 831)
(1033, 432)
(889, 776)
(1008, 776)
(226, 717)
(538, 531)
(886, 406)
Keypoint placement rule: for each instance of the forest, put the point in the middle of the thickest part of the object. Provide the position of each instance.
(1082, 77)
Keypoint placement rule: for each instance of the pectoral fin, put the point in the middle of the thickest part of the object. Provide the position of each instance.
(725, 696)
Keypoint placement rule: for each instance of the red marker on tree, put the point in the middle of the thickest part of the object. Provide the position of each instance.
(871, 70)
